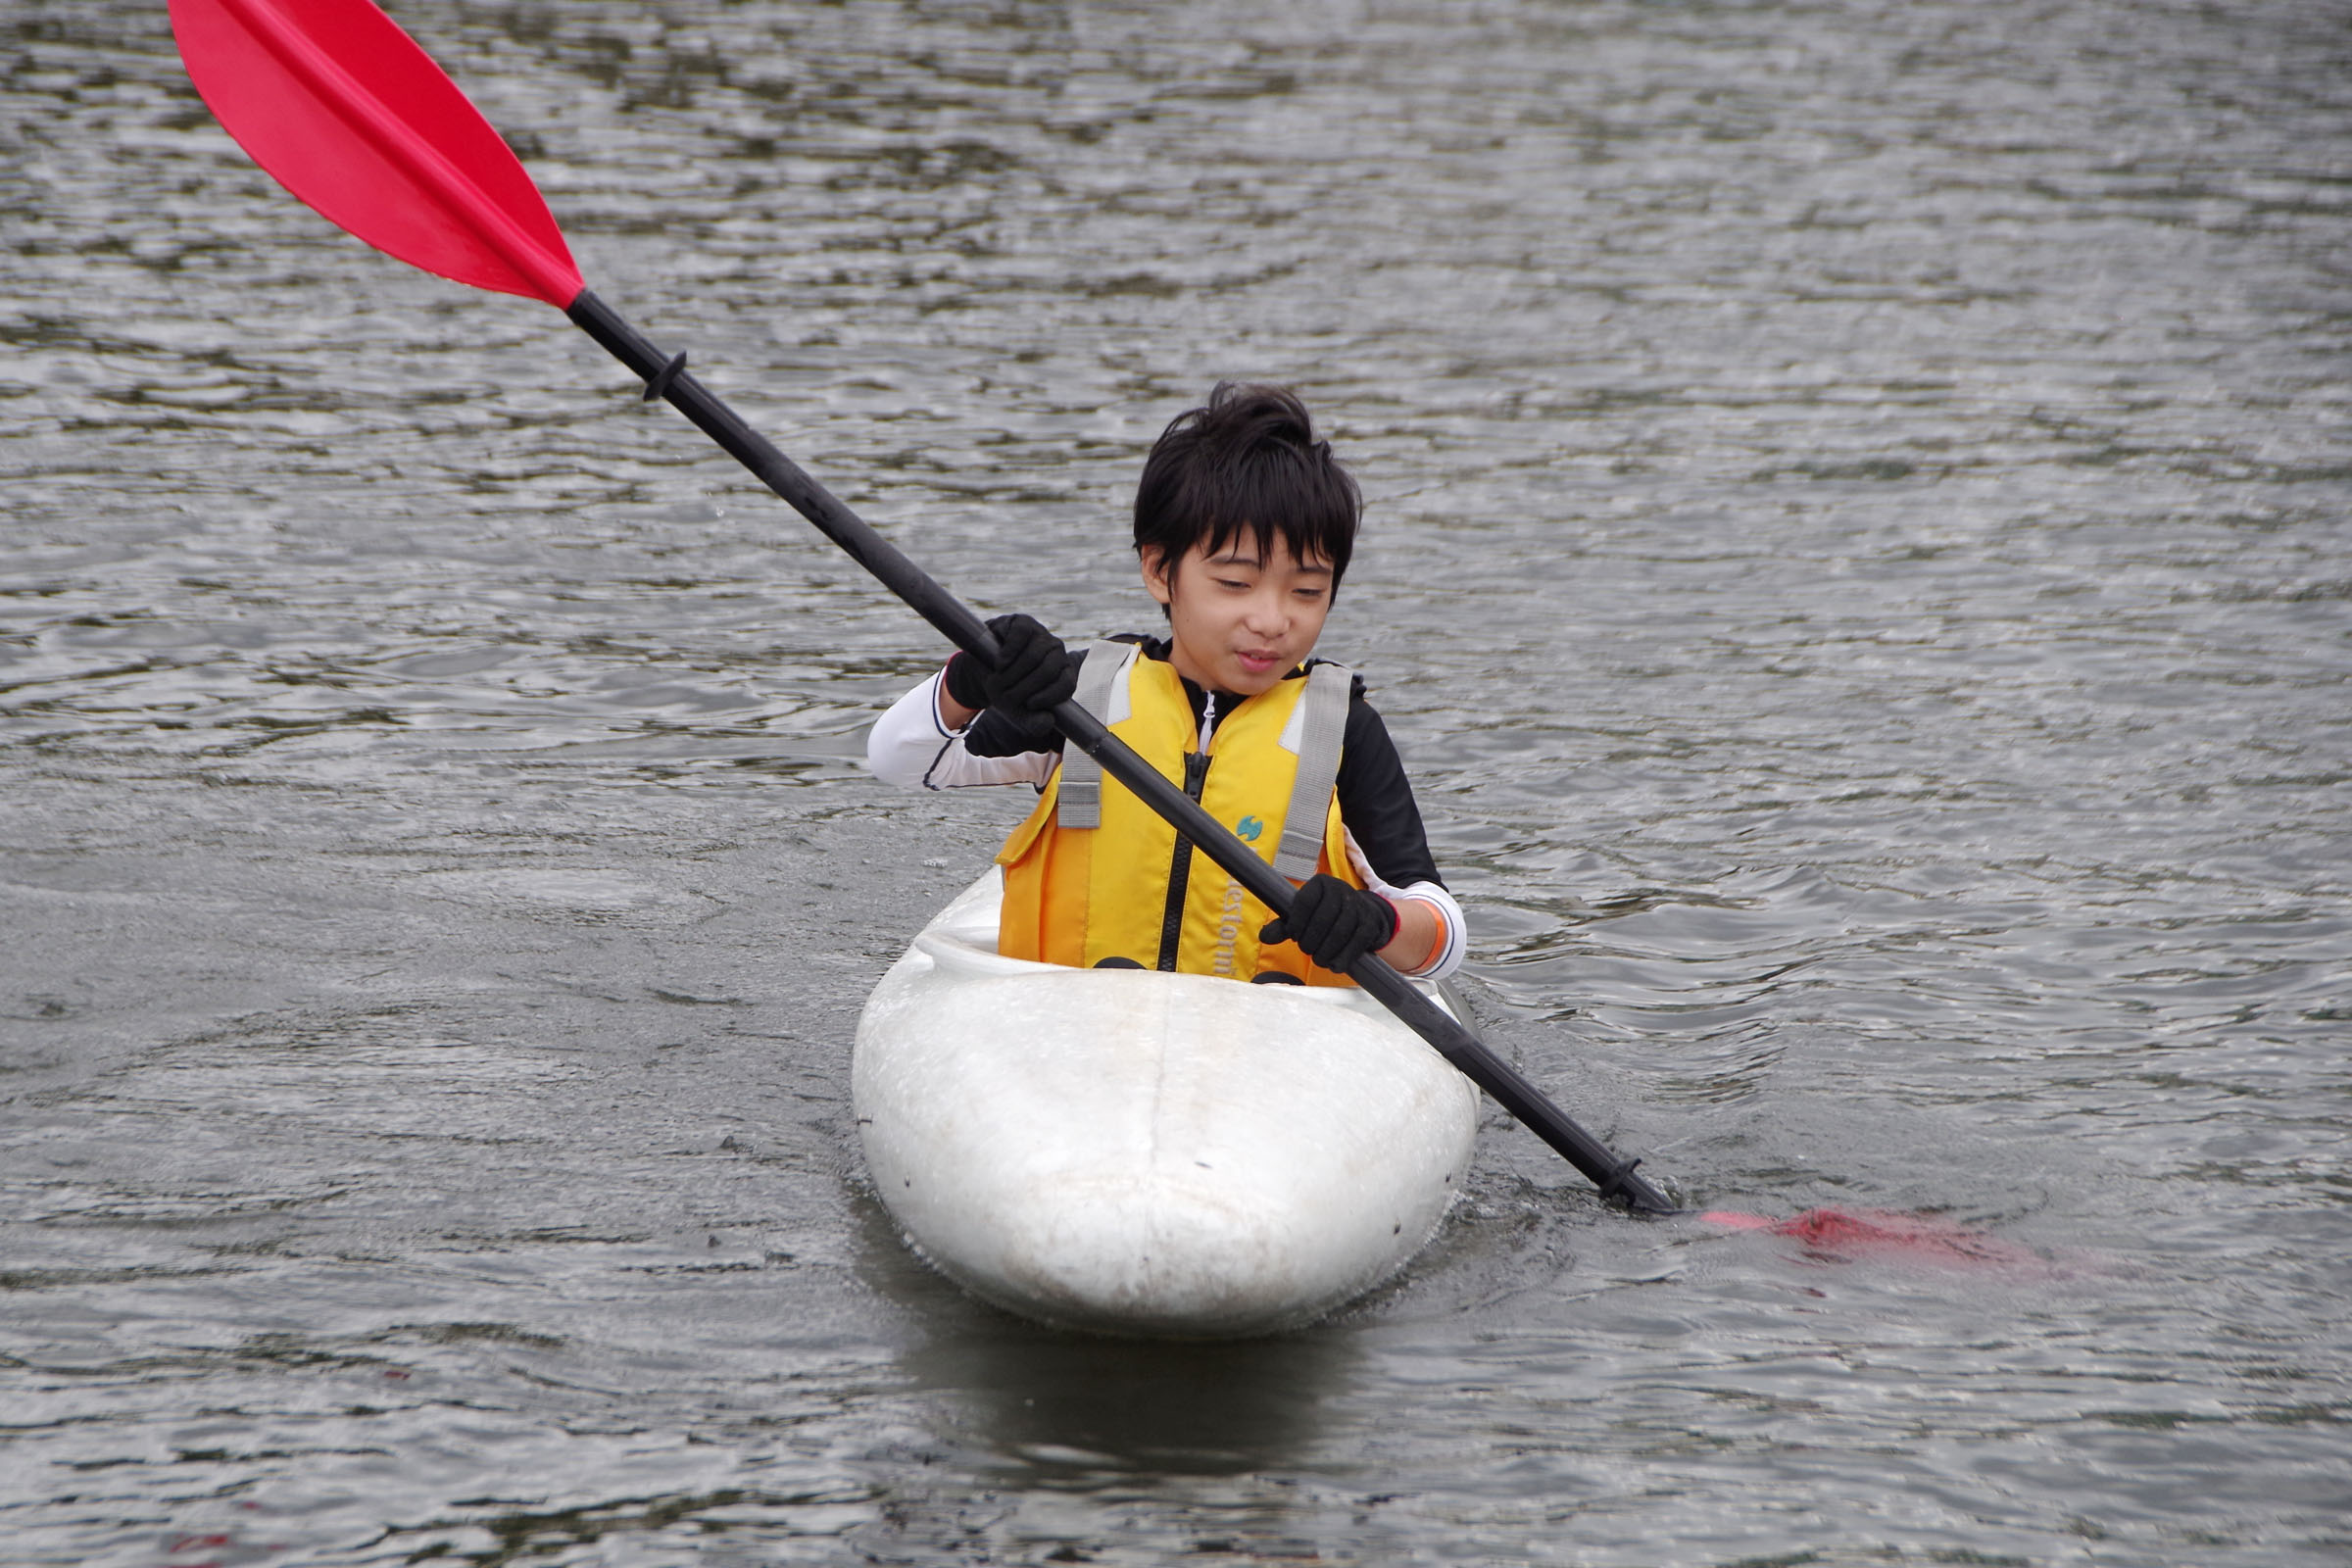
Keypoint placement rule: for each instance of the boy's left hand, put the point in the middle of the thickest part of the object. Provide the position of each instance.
(1333, 923)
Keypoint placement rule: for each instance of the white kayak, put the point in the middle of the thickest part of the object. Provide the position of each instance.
(1146, 1153)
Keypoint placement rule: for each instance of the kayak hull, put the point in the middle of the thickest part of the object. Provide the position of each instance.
(1159, 1155)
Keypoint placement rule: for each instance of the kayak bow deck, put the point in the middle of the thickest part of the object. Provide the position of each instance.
(1136, 1152)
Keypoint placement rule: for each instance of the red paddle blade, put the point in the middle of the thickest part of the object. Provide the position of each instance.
(347, 113)
(1840, 1233)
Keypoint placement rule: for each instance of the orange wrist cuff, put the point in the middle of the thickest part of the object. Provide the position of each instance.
(1436, 937)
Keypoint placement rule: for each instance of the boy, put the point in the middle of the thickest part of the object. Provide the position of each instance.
(1244, 526)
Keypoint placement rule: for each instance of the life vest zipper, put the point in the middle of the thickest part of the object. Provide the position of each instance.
(1180, 867)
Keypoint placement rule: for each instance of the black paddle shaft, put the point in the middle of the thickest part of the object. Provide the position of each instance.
(666, 377)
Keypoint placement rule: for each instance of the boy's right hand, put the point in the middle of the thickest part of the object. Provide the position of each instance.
(1034, 674)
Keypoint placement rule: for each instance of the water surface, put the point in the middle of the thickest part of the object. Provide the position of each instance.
(1856, 562)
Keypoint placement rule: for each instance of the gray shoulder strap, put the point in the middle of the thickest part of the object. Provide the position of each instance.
(1080, 802)
(1324, 709)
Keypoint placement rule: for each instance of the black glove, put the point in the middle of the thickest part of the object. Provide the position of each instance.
(1034, 673)
(1333, 923)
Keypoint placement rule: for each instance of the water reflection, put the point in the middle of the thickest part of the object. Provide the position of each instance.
(1059, 1402)
(1048, 1400)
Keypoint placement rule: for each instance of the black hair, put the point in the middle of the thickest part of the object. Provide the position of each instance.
(1248, 459)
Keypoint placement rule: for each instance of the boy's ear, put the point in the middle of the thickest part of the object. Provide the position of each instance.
(1156, 573)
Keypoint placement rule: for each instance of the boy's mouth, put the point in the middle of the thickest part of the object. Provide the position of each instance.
(1256, 663)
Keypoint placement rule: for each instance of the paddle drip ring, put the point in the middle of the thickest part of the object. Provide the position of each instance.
(1614, 1187)
(656, 385)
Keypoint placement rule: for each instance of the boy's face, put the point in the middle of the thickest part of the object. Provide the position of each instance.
(1239, 622)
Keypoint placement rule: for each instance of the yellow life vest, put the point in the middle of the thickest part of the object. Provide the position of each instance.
(1125, 886)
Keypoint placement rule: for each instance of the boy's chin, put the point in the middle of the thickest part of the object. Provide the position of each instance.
(1244, 682)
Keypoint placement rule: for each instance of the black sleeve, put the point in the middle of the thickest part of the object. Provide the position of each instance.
(1376, 800)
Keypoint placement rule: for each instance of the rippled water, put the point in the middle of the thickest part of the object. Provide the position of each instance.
(1857, 563)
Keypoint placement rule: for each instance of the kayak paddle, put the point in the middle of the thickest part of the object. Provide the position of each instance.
(338, 104)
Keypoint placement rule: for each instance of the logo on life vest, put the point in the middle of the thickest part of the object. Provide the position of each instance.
(1229, 929)
(1248, 829)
